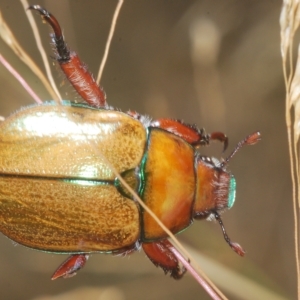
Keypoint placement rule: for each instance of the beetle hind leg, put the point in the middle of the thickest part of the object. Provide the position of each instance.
(161, 256)
(70, 266)
(75, 71)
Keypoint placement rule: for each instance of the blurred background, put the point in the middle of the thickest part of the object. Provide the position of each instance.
(216, 64)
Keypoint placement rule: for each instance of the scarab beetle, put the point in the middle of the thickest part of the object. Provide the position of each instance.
(58, 195)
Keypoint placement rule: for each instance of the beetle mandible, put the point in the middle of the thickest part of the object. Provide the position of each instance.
(57, 195)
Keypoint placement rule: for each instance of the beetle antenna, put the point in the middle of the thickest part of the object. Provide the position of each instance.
(234, 246)
(251, 139)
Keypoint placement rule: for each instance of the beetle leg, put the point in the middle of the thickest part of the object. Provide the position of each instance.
(221, 137)
(191, 134)
(161, 256)
(70, 266)
(75, 71)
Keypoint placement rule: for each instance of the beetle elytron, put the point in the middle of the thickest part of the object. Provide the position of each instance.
(58, 195)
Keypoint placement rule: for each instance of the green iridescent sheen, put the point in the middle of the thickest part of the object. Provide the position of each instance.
(232, 191)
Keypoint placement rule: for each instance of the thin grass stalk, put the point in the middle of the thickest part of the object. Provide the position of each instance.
(293, 166)
(9, 38)
(21, 80)
(109, 39)
(200, 277)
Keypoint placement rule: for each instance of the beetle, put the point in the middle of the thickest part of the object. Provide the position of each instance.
(58, 194)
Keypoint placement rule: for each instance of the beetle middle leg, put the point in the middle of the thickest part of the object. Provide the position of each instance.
(70, 266)
(161, 256)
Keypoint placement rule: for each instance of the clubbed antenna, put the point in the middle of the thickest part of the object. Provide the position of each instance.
(251, 139)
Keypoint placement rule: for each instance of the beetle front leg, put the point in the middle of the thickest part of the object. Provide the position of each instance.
(190, 133)
(161, 256)
(70, 266)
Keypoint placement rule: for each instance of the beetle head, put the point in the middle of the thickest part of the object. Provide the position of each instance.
(216, 187)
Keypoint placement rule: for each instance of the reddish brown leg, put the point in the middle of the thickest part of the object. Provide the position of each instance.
(70, 266)
(191, 134)
(74, 69)
(161, 256)
(221, 137)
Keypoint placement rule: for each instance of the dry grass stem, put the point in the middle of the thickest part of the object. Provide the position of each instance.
(289, 24)
(109, 39)
(20, 79)
(200, 277)
(8, 37)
